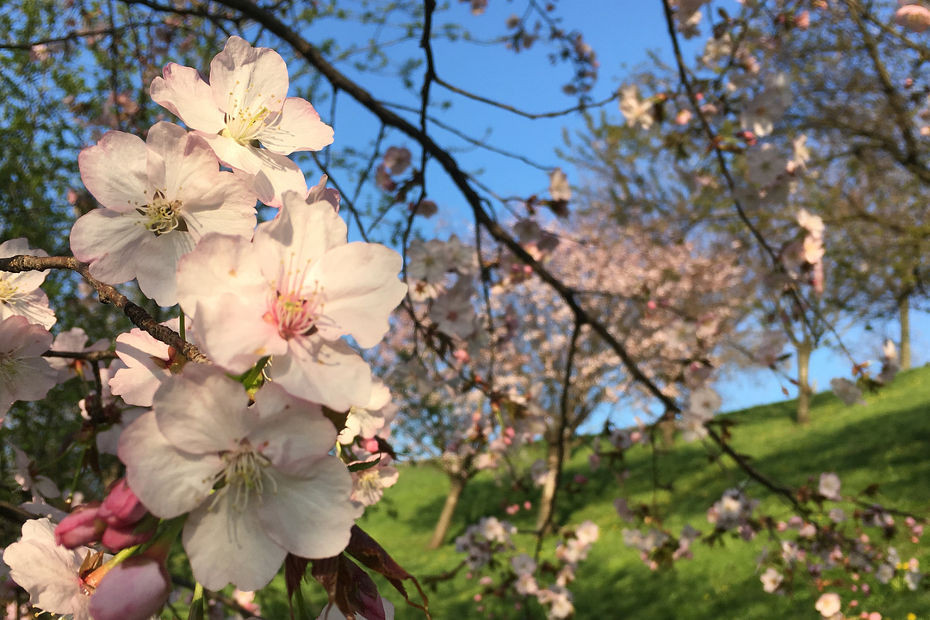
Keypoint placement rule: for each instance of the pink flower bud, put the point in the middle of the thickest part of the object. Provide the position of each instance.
(121, 507)
(116, 538)
(371, 445)
(134, 589)
(81, 527)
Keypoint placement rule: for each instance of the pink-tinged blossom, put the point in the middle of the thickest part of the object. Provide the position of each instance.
(559, 601)
(846, 391)
(829, 486)
(279, 491)
(245, 102)
(40, 486)
(366, 422)
(771, 579)
(369, 484)
(147, 363)
(828, 604)
(268, 190)
(49, 572)
(114, 413)
(293, 293)
(24, 373)
(483, 539)
(913, 17)
(74, 341)
(453, 311)
(19, 292)
(159, 198)
(636, 111)
(396, 159)
(559, 188)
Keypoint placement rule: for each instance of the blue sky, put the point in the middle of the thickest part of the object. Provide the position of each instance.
(621, 32)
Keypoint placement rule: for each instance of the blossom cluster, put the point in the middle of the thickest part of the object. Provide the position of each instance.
(235, 455)
(488, 545)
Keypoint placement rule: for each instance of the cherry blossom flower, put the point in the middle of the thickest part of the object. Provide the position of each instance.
(270, 192)
(115, 416)
(19, 292)
(41, 487)
(635, 110)
(279, 490)
(159, 198)
(523, 564)
(453, 311)
(559, 600)
(771, 579)
(559, 189)
(292, 294)
(24, 373)
(49, 572)
(369, 484)
(245, 102)
(913, 17)
(828, 604)
(829, 486)
(146, 364)
(396, 159)
(74, 341)
(481, 540)
(846, 391)
(366, 422)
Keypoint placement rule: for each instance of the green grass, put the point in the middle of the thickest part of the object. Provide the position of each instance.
(885, 441)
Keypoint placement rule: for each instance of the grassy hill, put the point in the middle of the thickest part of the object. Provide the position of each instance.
(887, 441)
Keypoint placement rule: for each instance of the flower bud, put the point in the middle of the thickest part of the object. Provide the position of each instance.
(121, 507)
(116, 538)
(135, 589)
(82, 527)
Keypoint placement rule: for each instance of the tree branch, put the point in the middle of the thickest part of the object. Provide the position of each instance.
(107, 294)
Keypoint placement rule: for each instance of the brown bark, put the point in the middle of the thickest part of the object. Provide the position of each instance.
(803, 414)
(547, 500)
(905, 319)
(457, 485)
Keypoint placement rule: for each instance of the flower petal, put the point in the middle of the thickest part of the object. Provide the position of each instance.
(157, 272)
(46, 570)
(114, 171)
(311, 516)
(292, 433)
(228, 544)
(362, 289)
(110, 241)
(246, 79)
(329, 373)
(167, 481)
(299, 128)
(202, 411)
(189, 97)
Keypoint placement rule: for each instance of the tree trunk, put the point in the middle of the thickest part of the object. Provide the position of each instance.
(547, 501)
(905, 318)
(457, 485)
(804, 348)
